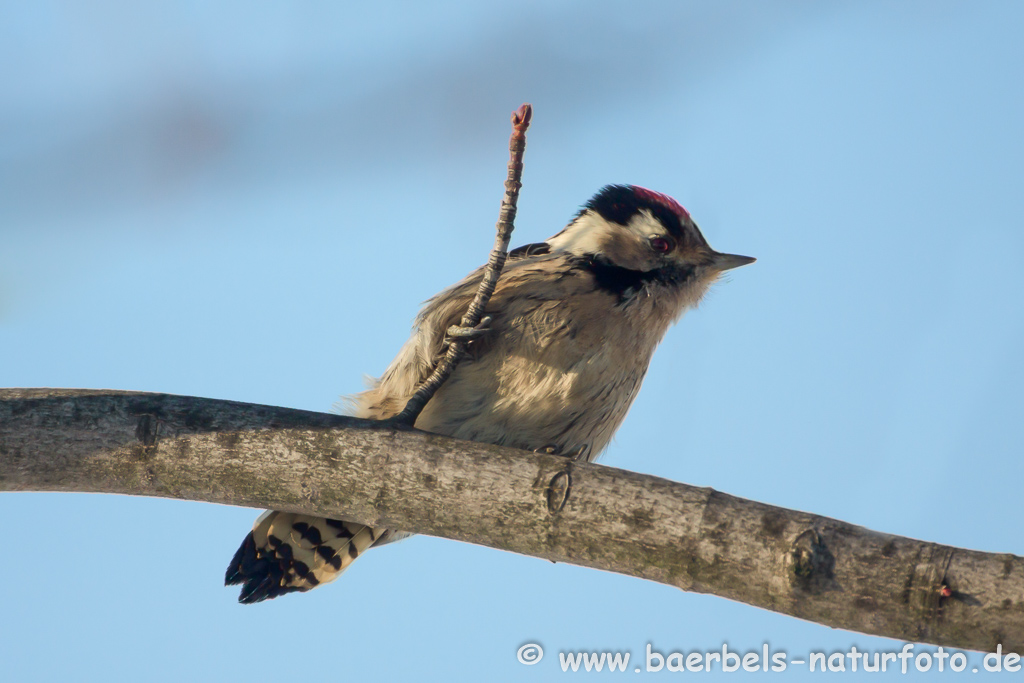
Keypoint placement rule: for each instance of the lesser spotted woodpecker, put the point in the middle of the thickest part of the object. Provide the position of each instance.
(574, 322)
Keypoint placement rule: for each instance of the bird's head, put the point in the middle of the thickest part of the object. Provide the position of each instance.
(632, 237)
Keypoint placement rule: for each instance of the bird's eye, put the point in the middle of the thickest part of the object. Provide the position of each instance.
(660, 245)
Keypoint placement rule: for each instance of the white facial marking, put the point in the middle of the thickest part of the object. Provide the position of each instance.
(589, 233)
(645, 225)
(585, 235)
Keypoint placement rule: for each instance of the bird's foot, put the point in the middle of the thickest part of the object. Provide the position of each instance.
(580, 454)
(467, 334)
(575, 455)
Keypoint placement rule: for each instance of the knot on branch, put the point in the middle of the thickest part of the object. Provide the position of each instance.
(924, 591)
(558, 491)
(928, 590)
(812, 564)
(147, 430)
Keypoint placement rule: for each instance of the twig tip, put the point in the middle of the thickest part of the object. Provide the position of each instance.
(521, 117)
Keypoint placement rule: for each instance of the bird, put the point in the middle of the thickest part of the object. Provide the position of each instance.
(574, 322)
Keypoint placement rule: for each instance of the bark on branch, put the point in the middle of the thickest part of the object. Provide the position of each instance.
(697, 539)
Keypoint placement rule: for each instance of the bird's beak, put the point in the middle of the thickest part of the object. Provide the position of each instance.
(730, 261)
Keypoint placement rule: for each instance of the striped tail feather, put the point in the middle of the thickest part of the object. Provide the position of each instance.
(288, 552)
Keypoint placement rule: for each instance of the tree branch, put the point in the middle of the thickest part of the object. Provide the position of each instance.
(546, 506)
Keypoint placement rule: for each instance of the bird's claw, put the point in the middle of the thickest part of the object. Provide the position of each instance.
(580, 454)
(575, 455)
(468, 334)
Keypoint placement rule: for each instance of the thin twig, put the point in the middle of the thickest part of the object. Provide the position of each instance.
(506, 222)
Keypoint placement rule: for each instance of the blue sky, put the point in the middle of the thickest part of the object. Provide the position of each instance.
(250, 203)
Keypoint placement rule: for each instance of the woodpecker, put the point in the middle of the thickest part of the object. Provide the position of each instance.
(574, 323)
